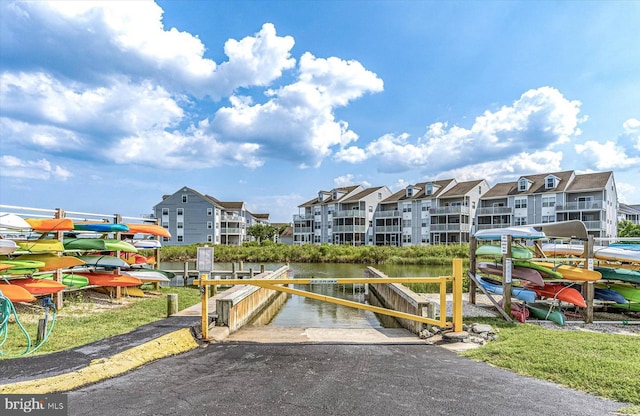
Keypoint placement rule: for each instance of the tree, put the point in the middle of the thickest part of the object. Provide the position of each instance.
(628, 229)
(261, 232)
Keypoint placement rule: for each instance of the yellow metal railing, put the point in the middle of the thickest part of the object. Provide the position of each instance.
(279, 284)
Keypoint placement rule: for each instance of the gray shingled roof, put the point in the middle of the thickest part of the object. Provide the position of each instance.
(460, 189)
(588, 181)
(362, 194)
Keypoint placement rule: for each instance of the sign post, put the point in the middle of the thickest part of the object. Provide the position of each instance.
(204, 264)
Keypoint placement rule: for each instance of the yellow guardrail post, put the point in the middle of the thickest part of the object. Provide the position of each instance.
(457, 295)
(204, 289)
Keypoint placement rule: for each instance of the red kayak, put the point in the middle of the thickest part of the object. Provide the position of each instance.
(518, 311)
(16, 293)
(560, 292)
(110, 279)
(38, 286)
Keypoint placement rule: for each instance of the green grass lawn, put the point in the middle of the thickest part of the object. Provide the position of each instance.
(87, 317)
(606, 365)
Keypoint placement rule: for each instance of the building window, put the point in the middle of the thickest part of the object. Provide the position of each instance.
(165, 224)
(165, 238)
(521, 221)
(550, 183)
(179, 211)
(548, 201)
(521, 203)
(184, 199)
(522, 185)
(180, 225)
(547, 218)
(209, 224)
(180, 239)
(165, 211)
(209, 212)
(370, 208)
(209, 238)
(379, 195)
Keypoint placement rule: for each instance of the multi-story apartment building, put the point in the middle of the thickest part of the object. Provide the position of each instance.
(340, 216)
(429, 212)
(629, 213)
(550, 197)
(192, 218)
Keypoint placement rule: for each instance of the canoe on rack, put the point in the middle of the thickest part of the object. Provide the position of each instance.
(50, 224)
(495, 251)
(13, 222)
(150, 229)
(560, 292)
(495, 286)
(16, 293)
(517, 272)
(546, 312)
(38, 286)
(45, 245)
(52, 261)
(100, 227)
(568, 272)
(110, 279)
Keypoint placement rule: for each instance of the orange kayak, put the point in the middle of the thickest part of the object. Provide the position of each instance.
(110, 279)
(560, 292)
(50, 224)
(38, 286)
(16, 293)
(53, 261)
(151, 229)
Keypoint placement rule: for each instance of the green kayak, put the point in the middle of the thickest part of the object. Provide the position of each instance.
(495, 251)
(69, 280)
(546, 312)
(624, 275)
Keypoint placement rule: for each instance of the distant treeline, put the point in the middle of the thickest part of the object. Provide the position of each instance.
(269, 252)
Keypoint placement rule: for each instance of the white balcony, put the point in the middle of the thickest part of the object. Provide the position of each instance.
(303, 217)
(350, 213)
(388, 214)
(449, 210)
(580, 206)
(494, 211)
(349, 228)
(388, 229)
(464, 228)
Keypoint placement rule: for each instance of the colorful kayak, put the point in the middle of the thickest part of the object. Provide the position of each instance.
(560, 292)
(147, 244)
(110, 279)
(69, 280)
(573, 273)
(628, 291)
(16, 293)
(528, 233)
(546, 312)
(624, 275)
(8, 246)
(146, 275)
(495, 286)
(626, 246)
(41, 246)
(496, 251)
(120, 245)
(544, 271)
(4, 267)
(22, 266)
(608, 295)
(100, 227)
(150, 229)
(103, 261)
(13, 222)
(599, 252)
(38, 286)
(87, 244)
(50, 224)
(517, 272)
(52, 261)
(518, 311)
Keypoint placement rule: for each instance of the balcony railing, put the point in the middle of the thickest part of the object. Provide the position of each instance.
(488, 226)
(302, 230)
(494, 211)
(388, 214)
(350, 213)
(388, 229)
(303, 217)
(579, 206)
(450, 227)
(594, 225)
(449, 210)
(226, 230)
(225, 217)
(349, 228)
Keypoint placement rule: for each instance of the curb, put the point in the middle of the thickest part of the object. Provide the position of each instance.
(167, 345)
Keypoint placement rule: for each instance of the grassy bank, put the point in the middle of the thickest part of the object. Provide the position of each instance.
(606, 365)
(88, 316)
(269, 252)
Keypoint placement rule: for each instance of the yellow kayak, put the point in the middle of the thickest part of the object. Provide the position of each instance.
(573, 273)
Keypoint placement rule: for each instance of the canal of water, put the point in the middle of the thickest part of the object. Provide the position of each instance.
(298, 311)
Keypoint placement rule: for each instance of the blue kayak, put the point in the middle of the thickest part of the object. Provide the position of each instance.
(495, 286)
(101, 227)
(609, 295)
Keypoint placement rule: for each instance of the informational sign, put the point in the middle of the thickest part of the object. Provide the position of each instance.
(205, 259)
(590, 264)
(507, 271)
(503, 244)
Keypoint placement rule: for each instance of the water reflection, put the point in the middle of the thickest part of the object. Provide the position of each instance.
(298, 311)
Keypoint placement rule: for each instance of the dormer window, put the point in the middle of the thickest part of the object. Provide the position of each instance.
(550, 182)
(409, 191)
(523, 184)
(429, 189)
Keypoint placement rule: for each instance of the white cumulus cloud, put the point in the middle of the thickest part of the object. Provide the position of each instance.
(40, 169)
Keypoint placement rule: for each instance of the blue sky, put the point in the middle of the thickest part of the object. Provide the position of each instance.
(105, 107)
